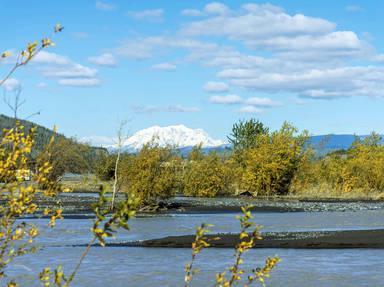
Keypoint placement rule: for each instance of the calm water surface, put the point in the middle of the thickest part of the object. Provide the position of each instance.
(123, 266)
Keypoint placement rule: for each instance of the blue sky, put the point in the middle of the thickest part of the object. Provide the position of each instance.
(317, 64)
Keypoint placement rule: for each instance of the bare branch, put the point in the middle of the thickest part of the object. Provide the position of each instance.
(120, 141)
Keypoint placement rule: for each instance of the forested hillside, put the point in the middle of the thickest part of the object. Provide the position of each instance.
(68, 155)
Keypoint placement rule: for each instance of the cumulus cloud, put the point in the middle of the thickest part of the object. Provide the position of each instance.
(226, 100)
(378, 58)
(181, 109)
(144, 48)
(261, 8)
(66, 71)
(321, 83)
(45, 57)
(250, 110)
(152, 15)
(104, 6)
(106, 59)
(11, 85)
(216, 87)
(291, 53)
(164, 67)
(79, 82)
(216, 8)
(294, 36)
(269, 23)
(236, 100)
(261, 102)
(73, 71)
(167, 109)
(192, 12)
(213, 8)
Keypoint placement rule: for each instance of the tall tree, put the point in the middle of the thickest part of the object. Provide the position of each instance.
(244, 134)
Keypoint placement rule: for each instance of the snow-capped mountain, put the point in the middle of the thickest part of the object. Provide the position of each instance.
(177, 136)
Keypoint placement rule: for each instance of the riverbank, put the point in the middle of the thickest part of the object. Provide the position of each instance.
(306, 240)
(81, 203)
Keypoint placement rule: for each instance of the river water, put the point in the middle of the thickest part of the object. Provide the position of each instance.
(129, 266)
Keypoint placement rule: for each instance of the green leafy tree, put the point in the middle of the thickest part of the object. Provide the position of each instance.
(244, 134)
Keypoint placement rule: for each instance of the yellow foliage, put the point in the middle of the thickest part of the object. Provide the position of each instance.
(270, 166)
(358, 170)
(207, 176)
(151, 174)
(19, 197)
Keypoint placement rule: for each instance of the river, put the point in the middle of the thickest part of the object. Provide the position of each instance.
(129, 266)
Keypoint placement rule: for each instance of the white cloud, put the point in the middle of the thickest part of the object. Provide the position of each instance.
(66, 71)
(79, 82)
(72, 71)
(320, 83)
(154, 15)
(106, 59)
(209, 9)
(181, 109)
(144, 48)
(192, 12)
(235, 100)
(250, 110)
(164, 67)
(11, 85)
(269, 23)
(139, 49)
(216, 87)
(378, 58)
(63, 69)
(339, 43)
(226, 100)
(261, 102)
(216, 8)
(261, 8)
(44, 57)
(167, 109)
(296, 36)
(281, 52)
(104, 6)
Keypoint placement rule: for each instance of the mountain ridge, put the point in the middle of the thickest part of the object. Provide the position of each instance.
(183, 138)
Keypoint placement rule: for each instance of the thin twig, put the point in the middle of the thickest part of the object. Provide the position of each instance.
(70, 278)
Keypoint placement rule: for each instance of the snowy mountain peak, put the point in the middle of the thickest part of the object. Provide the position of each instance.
(177, 136)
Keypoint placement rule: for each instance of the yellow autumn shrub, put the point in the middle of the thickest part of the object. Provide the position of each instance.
(207, 176)
(269, 166)
(357, 171)
(150, 174)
